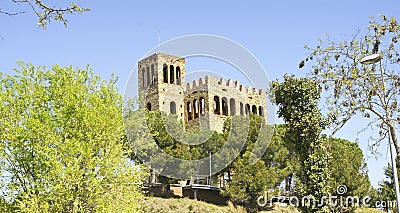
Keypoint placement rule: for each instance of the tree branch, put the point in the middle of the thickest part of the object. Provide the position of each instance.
(10, 14)
(47, 13)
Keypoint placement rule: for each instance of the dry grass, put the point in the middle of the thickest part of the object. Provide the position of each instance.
(281, 209)
(186, 205)
(175, 205)
(156, 204)
(367, 210)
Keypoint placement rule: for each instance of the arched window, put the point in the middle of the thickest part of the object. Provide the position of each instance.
(216, 105)
(144, 78)
(260, 111)
(247, 110)
(232, 106)
(224, 106)
(201, 105)
(196, 108)
(254, 109)
(148, 77)
(241, 109)
(172, 107)
(153, 76)
(148, 106)
(165, 73)
(171, 74)
(178, 75)
(189, 110)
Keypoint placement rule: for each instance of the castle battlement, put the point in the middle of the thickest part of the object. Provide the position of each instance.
(204, 83)
(202, 103)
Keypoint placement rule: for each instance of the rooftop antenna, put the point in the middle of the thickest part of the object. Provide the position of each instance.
(159, 41)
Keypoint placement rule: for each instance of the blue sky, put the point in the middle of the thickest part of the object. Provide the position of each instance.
(116, 34)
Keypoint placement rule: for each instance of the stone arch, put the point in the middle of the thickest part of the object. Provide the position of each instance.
(189, 110)
(148, 81)
(254, 109)
(232, 106)
(196, 108)
(216, 105)
(247, 109)
(148, 106)
(178, 75)
(260, 111)
(153, 76)
(171, 74)
(165, 73)
(144, 78)
(202, 105)
(172, 107)
(224, 106)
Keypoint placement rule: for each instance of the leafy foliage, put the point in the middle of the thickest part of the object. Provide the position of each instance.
(348, 167)
(357, 88)
(386, 189)
(252, 180)
(297, 99)
(46, 12)
(61, 143)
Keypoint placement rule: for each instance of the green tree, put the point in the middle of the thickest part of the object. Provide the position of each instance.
(168, 138)
(281, 153)
(348, 167)
(386, 190)
(62, 143)
(248, 182)
(297, 99)
(251, 180)
(45, 12)
(355, 88)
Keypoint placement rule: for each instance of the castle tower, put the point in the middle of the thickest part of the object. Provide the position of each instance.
(205, 103)
(161, 80)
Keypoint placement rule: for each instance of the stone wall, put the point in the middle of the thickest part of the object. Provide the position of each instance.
(161, 79)
(204, 103)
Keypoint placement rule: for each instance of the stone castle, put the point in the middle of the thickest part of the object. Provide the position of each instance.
(204, 103)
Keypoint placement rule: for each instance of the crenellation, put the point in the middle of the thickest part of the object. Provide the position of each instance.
(201, 81)
(222, 81)
(212, 80)
(237, 83)
(195, 84)
(229, 83)
(246, 90)
(203, 103)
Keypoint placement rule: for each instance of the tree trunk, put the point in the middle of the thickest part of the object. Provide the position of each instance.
(288, 183)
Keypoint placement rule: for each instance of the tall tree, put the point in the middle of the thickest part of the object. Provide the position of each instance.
(252, 180)
(45, 12)
(62, 143)
(386, 189)
(348, 167)
(149, 132)
(297, 99)
(356, 88)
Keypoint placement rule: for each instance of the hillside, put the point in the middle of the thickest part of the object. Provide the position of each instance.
(175, 205)
(179, 205)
